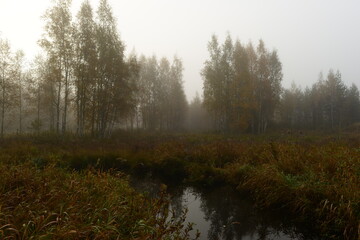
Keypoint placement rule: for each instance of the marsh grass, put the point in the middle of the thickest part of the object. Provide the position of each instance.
(316, 178)
(54, 203)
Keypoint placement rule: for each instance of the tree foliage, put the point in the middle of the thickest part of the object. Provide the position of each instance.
(162, 103)
(241, 86)
(328, 105)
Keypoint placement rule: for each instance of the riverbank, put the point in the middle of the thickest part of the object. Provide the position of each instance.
(221, 212)
(316, 178)
(45, 201)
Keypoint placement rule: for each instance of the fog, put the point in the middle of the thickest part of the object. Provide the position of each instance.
(229, 100)
(310, 36)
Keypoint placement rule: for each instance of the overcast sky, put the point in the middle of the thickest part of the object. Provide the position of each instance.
(310, 35)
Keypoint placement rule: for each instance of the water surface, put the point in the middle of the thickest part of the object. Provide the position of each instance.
(222, 213)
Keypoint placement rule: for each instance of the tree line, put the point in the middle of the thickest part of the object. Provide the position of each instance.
(161, 101)
(82, 82)
(327, 105)
(242, 85)
(243, 92)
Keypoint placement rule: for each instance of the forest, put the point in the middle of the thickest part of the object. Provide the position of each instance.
(83, 118)
(82, 83)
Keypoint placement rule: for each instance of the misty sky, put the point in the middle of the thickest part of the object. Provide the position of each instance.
(310, 35)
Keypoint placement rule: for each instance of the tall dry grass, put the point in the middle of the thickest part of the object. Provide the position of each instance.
(53, 203)
(315, 178)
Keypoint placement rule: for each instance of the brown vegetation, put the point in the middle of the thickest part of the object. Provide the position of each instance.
(315, 177)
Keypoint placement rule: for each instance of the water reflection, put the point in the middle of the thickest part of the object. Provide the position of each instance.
(223, 214)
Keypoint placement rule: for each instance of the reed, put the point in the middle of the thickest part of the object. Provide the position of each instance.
(315, 178)
(53, 203)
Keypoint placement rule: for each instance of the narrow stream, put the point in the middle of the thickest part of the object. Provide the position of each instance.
(222, 213)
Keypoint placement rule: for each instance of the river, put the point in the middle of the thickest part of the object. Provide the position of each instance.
(222, 213)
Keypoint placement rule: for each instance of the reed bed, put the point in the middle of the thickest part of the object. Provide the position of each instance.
(315, 178)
